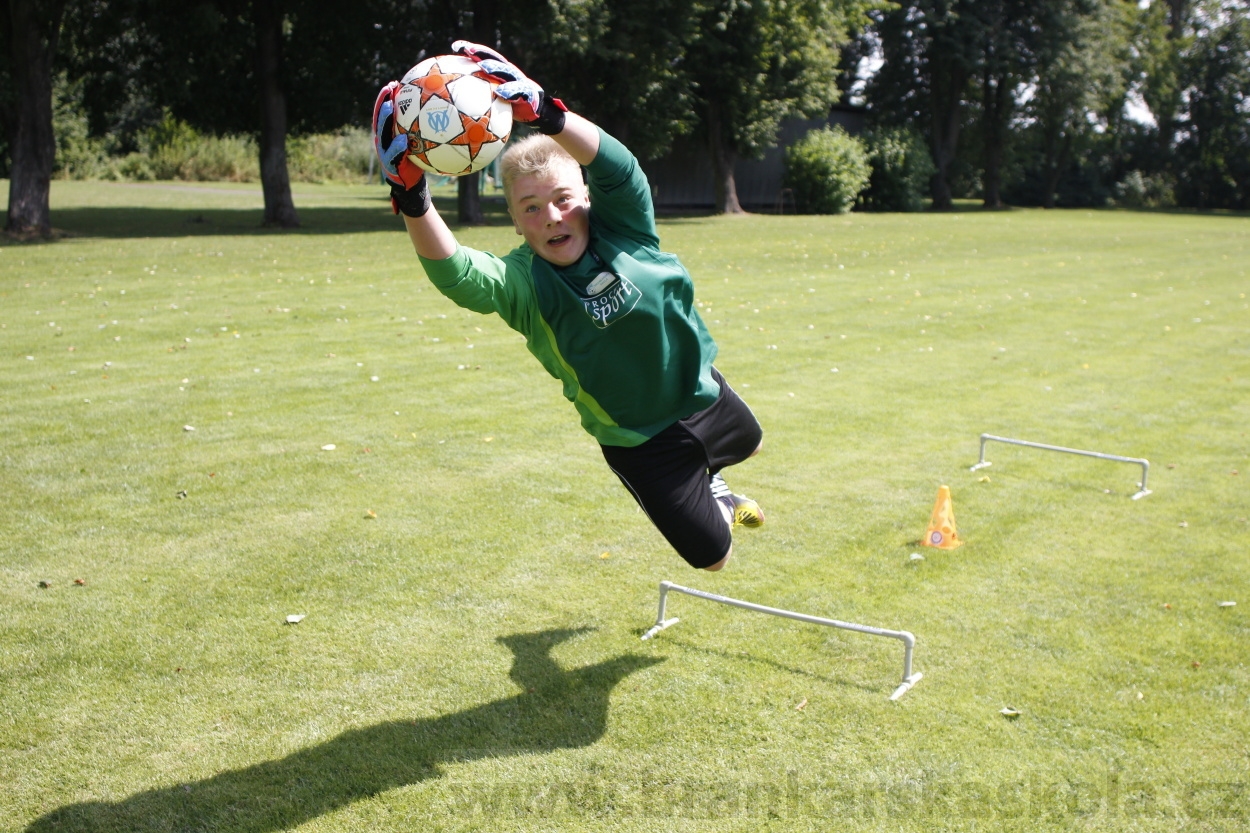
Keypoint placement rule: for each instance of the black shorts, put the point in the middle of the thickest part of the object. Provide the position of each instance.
(668, 474)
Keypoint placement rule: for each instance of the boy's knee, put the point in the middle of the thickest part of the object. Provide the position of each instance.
(719, 564)
(757, 449)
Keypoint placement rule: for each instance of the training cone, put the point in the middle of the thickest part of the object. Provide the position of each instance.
(941, 532)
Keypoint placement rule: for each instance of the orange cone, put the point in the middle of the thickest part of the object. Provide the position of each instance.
(941, 532)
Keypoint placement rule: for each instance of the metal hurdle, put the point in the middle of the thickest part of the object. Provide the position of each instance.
(1145, 464)
(909, 641)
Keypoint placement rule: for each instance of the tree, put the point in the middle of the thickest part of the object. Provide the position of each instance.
(1215, 131)
(267, 23)
(1006, 32)
(1079, 86)
(753, 63)
(609, 60)
(228, 66)
(31, 30)
(931, 56)
(1161, 44)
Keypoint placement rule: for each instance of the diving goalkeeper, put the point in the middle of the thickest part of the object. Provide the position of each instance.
(601, 307)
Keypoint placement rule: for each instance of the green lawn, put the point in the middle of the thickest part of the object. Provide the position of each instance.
(475, 581)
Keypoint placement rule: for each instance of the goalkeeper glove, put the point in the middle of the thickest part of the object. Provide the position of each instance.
(530, 104)
(409, 191)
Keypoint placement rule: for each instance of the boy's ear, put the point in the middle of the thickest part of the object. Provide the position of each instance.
(515, 225)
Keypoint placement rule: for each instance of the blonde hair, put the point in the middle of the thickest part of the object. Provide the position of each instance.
(536, 154)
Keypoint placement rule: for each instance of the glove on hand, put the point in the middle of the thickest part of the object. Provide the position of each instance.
(530, 104)
(390, 144)
(409, 191)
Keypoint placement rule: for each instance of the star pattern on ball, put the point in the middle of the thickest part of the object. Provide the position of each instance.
(420, 149)
(434, 84)
(476, 132)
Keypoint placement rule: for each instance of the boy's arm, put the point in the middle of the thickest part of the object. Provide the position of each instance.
(580, 137)
(410, 192)
(430, 235)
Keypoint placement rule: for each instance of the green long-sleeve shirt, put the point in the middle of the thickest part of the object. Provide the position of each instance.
(618, 328)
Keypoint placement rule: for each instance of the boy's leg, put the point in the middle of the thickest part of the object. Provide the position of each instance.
(727, 429)
(674, 476)
(668, 477)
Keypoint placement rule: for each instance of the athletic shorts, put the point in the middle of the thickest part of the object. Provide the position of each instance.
(668, 474)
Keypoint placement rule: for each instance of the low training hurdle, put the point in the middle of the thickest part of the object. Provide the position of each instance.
(909, 641)
(1145, 464)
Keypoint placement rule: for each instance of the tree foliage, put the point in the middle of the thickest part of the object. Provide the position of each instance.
(1215, 132)
(1017, 101)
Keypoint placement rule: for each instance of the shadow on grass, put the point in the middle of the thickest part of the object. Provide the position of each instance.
(558, 709)
(122, 222)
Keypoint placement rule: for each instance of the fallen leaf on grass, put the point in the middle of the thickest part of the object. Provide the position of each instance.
(45, 584)
(801, 706)
(603, 555)
(1196, 664)
(80, 581)
(181, 494)
(295, 618)
(1009, 713)
(328, 447)
(369, 513)
(1228, 604)
(188, 428)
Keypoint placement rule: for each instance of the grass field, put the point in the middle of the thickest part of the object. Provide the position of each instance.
(474, 581)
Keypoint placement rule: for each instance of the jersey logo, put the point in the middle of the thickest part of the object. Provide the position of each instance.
(610, 297)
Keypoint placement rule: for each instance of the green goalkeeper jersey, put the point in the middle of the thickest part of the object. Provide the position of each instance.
(618, 328)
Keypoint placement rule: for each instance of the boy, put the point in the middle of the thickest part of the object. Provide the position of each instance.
(601, 307)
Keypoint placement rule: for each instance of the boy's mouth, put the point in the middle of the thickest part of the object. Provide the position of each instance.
(558, 240)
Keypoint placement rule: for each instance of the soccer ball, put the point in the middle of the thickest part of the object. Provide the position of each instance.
(454, 122)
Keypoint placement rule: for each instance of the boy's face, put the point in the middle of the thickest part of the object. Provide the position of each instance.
(551, 211)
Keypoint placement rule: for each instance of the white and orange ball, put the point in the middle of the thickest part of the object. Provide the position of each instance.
(454, 122)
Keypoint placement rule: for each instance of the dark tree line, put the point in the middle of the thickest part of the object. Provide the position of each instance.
(1018, 101)
(649, 69)
(1054, 102)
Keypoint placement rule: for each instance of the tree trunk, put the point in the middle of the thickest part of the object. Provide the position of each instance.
(469, 199)
(482, 27)
(34, 28)
(723, 158)
(1057, 153)
(274, 178)
(946, 103)
(994, 103)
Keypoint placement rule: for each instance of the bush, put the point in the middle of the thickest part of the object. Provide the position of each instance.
(901, 170)
(1138, 190)
(176, 150)
(343, 156)
(173, 149)
(78, 154)
(826, 170)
